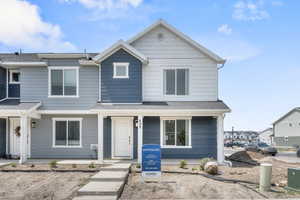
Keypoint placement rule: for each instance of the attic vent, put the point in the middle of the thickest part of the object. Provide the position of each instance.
(160, 36)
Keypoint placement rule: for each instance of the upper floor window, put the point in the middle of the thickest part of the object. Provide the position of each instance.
(14, 76)
(121, 70)
(63, 81)
(176, 81)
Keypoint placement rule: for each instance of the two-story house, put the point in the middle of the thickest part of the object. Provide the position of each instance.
(160, 87)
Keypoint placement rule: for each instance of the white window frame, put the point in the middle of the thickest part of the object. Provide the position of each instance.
(63, 68)
(54, 120)
(164, 81)
(11, 71)
(122, 64)
(162, 119)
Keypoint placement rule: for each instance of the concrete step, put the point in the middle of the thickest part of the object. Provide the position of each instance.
(102, 188)
(95, 197)
(110, 176)
(117, 167)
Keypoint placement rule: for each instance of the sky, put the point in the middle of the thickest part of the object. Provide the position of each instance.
(259, 38)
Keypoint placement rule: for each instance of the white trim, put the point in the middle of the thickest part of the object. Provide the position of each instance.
(120, 64)
(199, 47)
(7, 134)
(113, 122)
(11, 71)
(54, 120)
(162, 119)
(164, 83)
(29, 138)
(23, 64)
(117, 46)
(50, 112)
(220, 139)
(24, 138)
(99, 90)
(63, 68)
(6, 83)
(100, 137)
(88, 63)
(140, 137)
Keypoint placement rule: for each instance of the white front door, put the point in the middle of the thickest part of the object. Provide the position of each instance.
(15, 132)
(122, 137)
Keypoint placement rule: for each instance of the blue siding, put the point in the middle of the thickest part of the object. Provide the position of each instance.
(13, 89)
(2, 137)
(2, 83)
(204, 138)
(121, 90)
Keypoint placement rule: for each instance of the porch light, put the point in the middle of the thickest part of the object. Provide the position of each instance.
(33, 124)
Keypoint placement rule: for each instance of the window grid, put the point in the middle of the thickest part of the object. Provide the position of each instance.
(175, 82)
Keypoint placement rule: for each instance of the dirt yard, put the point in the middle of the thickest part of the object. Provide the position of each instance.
(196, 185)
(49, 185)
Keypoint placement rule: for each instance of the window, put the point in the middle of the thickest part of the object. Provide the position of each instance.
(121, 70)
(176, 133)
(176, 81)
(14, 76)
(63, 82)
(67, 132)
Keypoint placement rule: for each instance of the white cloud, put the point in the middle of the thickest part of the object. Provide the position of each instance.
(224, 28)
(246, 10)
(277, 3)
(110, 9)
(23, 27)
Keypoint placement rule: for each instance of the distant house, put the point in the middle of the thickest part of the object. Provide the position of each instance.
(241, 136)
(287, 129)
(266, 136)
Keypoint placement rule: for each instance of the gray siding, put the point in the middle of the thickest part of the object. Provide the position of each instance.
(13, 89)
(121, 90)
(204, 134)
(34, 87)
(2, 83)
(291, 141)
(42, 136)
(2, 137)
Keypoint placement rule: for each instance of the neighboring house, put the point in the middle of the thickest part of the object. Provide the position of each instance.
(287, 129)
(160, 87)
(266, 136)
(241, 136)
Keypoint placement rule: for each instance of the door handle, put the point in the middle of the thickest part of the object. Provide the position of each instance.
(129, 140)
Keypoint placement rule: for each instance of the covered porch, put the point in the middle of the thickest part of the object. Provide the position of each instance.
(15, 117)
(151, 120)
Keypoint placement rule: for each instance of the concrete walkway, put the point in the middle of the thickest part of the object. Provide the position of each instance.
(288, 157)
(107, 184)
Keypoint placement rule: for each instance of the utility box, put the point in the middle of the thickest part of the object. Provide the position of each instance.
(294, 179)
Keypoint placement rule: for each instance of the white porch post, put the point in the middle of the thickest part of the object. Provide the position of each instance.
(220, 139)
(100, 137)
(140, 137)
(24, 138)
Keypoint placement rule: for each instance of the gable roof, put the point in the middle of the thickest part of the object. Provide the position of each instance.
(117, 46)
(181, 35)
(287, 114)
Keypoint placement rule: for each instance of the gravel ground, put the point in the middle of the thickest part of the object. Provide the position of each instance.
(41, 186)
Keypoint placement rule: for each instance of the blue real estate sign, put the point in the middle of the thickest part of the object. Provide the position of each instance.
(151, 160)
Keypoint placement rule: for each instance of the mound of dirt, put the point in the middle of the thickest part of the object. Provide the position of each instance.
(248, 157)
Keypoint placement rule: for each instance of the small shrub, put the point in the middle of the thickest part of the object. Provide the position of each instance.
(194, 169)
(203, 162)
(182, 164)
(32, 165)
(13, 165)
(138, 166)
(92, 165)
(53, 164)
(74, 166)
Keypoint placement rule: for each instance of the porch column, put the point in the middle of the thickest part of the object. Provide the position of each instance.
(100, 137)
(220, 139)
(23, 138)
(140, 137)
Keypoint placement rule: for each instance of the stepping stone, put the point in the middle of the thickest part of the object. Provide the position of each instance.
(101, 188)
(110, 176)
(95, 197)
(117, 167)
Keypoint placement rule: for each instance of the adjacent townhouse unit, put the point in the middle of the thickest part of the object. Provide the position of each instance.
(287, 129)
(159, 87)
(266, 136)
